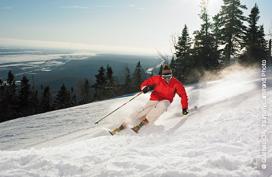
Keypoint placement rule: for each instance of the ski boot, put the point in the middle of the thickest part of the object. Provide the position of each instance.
(116, 130)
(139, 126)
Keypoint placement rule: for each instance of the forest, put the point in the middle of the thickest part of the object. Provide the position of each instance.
(229, 37)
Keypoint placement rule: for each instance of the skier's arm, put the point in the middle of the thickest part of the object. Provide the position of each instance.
(150, 82)
(182, 93)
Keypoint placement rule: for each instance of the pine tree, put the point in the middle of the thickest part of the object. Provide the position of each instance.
(24, 91)
(11, 88)
(2, 86)
(138, 76)
(73, 97)
(85, 92)
(109, 74)
(216, 30)
(8, 98)
(34, 102)
(128, 83)
(46, 100)
(183, 60)
(24, 96)
(256, 45)
(184, 44)
(232, 29)
(100, 84)
(205, 48)
(63, 98)
(110, 86)
(262, 44)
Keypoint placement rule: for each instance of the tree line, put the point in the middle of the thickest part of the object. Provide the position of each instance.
(19, 99)
(227, 36)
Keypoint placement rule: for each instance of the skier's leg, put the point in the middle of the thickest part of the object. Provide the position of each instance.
(157, 111)
(152, 115)
(136, 117)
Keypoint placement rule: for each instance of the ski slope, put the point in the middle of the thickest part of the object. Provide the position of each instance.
(221, 138)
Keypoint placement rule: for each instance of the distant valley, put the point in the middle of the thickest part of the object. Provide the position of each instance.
(55, 67)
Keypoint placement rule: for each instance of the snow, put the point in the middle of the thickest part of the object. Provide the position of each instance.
(221, 138)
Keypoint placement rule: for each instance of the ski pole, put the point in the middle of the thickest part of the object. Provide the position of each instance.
(138, 94)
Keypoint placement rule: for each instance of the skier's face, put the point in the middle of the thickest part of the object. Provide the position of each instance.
(167, 76)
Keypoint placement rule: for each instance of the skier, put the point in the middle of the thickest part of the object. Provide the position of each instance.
(163, 87)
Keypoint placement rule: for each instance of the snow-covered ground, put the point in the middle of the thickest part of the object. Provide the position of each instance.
(221, 138)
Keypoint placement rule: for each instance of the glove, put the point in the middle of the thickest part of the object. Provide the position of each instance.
(185, 111)
(147, 89)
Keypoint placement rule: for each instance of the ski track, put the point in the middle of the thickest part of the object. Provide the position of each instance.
(218, 139)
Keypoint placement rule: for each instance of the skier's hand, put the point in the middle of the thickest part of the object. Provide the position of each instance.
(185, 111)
(147, 89)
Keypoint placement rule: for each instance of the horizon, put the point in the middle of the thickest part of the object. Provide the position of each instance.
(133, 27)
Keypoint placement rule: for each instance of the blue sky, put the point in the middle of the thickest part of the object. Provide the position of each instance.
(137, 26)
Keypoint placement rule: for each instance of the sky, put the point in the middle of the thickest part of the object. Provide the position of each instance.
(126, 26)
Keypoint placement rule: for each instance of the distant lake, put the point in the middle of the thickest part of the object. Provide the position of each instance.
(55, 67)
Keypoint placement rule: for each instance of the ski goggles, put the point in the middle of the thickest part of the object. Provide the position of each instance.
(167, 76)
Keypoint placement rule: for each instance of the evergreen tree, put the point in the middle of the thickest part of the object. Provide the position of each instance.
(11, 89)
(11, 78)
(46, 100)
(232, 29)
(85, 92)
(138, 76)
(10, 98)
(73, 97)
(262, 44)
(128, 83)
(63, 98)
(2, 86)
(2, 101)
(256, 45)
(100, 84)
(184, 44)
(216, 32)
(34, 102)
(24, 96)
(109, 75)
(183, 60)
(110, 86)
(24, 91)
(205, 48)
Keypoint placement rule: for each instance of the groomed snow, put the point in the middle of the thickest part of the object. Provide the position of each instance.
(219, 139)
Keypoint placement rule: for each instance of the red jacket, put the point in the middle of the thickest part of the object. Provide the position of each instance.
(166, 91)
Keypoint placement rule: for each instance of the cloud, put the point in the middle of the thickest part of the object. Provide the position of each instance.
(74, 7)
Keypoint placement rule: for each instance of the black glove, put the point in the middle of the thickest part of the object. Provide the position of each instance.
(147, 89)
(185, 111)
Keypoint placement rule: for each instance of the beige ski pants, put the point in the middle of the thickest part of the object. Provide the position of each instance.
(151, 111)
